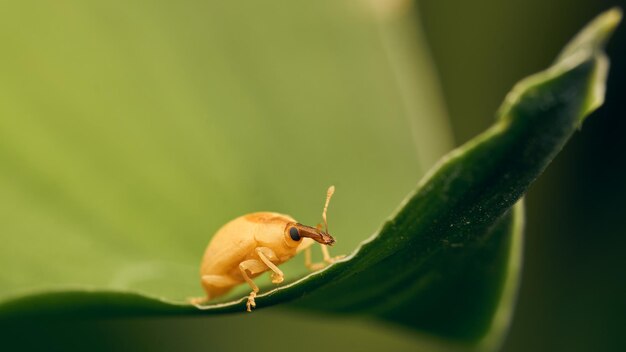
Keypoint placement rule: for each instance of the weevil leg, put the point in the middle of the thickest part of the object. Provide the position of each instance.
(307, 256)
(254, 267)
(326, 254)
(198, 301)
(267, 255)
(327, 258)
(309, 264)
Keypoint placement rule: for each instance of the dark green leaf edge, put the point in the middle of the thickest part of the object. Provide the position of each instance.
(507, 235)
(503, 311)
(581, 61)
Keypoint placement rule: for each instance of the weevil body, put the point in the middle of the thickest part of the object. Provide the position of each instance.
(252, 244)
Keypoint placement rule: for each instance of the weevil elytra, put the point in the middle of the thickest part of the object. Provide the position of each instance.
(255, 243)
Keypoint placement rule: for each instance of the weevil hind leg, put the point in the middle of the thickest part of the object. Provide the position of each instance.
(251, 266)
(198, 301)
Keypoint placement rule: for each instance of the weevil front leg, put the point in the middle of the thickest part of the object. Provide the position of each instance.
(252, 266)
(327, 258)
(267, 255)
(308, 263)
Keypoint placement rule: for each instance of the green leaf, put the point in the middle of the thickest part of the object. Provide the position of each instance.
(130, 131)
(447, 262)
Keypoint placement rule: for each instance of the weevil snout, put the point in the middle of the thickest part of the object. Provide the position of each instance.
(314, 234)
(321, 237)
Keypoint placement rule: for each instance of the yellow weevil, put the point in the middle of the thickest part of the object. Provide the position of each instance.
(254, 243)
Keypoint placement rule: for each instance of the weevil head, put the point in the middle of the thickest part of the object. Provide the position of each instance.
(295, 232)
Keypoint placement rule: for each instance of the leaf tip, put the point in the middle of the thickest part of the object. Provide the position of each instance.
(587, 47)
(613, 16)
(602, 28)
(594, 36)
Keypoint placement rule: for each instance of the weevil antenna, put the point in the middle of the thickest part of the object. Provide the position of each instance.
(329, 194)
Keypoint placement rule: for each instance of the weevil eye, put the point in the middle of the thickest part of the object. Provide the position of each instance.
(294, 234)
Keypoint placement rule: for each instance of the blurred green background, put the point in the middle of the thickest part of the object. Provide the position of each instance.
(359, 84)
